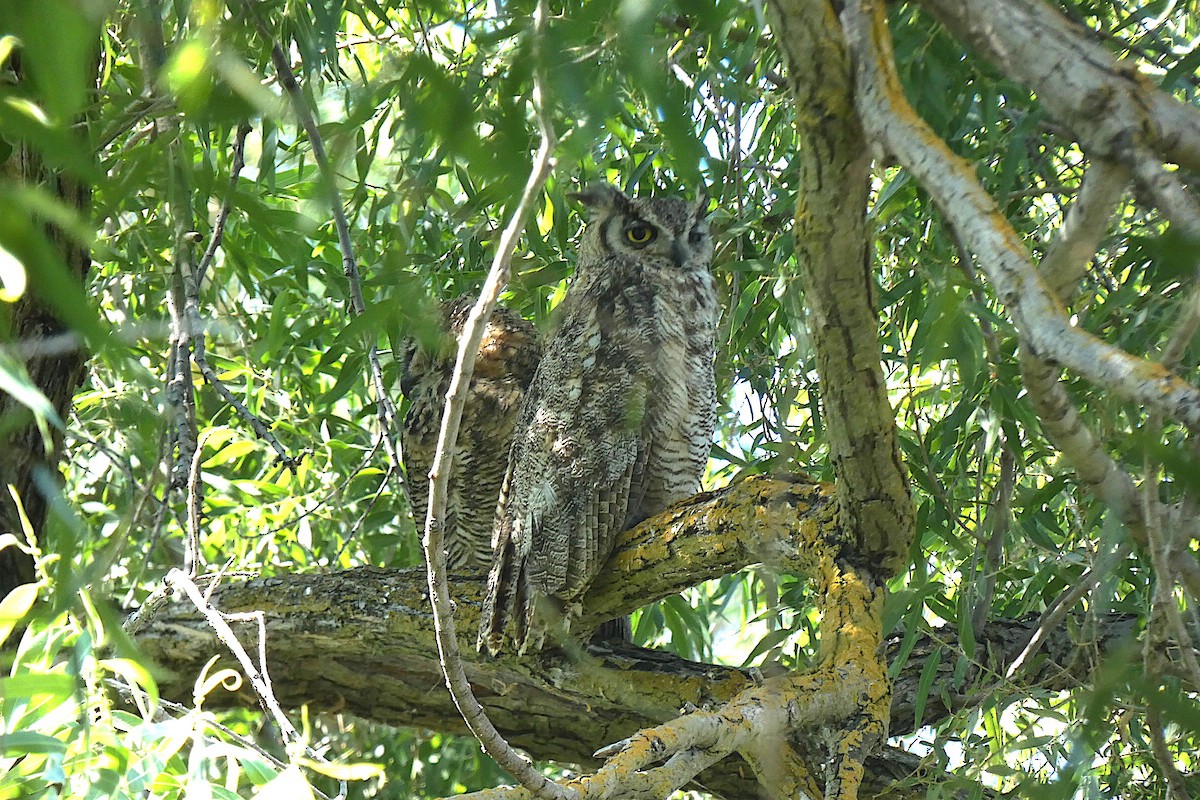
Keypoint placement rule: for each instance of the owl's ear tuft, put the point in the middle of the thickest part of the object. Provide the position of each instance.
(600, 197)
(701, 205)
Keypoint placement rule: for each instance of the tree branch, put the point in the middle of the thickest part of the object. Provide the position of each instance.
(439, 473)
(1077, 241)
(362, 642)
(1107, 104)
(1040, 318)
(831, 253)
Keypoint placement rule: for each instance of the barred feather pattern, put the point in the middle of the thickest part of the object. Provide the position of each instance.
(508, 355)
(618, 420)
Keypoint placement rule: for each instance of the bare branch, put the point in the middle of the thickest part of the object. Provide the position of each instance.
(258, 675)
(183, 433)
(1076, 242)
(1165, 190)
(997, 521)
(439, 474)
(1057, 613)
(1107, 104)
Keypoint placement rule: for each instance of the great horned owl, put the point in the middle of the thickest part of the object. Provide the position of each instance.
(508, 355)
(619, 418)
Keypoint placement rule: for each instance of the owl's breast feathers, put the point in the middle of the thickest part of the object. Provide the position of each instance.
(504, 367)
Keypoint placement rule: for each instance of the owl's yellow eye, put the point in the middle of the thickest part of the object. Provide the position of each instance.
(640, 233)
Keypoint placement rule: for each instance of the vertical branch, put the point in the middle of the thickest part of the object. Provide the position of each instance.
(385, 409)
(834, 252)
(439, 474)
(834, 256)
(181, 393)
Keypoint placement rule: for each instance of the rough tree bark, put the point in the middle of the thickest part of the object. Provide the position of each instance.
(55, 364)
(361, 642)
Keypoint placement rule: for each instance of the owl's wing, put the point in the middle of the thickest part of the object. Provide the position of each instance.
(576, 455)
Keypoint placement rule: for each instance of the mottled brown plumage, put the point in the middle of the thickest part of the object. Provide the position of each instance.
(508, 356)
(618, 421)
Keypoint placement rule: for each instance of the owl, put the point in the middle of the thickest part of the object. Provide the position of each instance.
(619, 418)
(508, 356)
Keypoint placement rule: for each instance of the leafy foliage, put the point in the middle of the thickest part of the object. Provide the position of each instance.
(425, 111)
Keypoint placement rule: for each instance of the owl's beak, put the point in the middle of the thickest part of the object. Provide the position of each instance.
(678, 253)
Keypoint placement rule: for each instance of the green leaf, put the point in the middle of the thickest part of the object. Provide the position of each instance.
(928, 673)
(40, 686)
(15, 605)
(343, 772)
(24, 743)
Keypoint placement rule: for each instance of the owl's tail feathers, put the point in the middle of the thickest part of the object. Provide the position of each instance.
(507, 601)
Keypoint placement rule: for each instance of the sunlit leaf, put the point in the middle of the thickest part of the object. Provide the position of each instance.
(290, 784)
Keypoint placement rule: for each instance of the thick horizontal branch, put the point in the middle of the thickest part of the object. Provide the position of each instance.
(361, 642)
(755, 521)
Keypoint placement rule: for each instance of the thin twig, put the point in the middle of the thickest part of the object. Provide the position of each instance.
(218, 622)
(195, 513)
(998, 519)
(1062, 605)
(218, 232)
(258, 675)
(385, 409)
(435, 554)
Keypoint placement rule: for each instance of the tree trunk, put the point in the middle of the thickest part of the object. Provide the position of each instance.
(54, 363)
